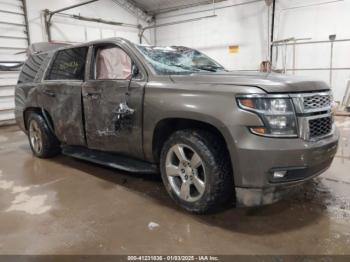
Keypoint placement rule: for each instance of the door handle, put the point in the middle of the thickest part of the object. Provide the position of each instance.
(94, 96)
(49, 93)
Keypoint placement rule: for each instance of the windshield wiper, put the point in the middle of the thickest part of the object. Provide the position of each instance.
(185, 67)
(211, 68)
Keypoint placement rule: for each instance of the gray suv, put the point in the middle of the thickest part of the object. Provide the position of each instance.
(215, 136)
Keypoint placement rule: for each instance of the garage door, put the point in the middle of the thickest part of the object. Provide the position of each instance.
(13, 44)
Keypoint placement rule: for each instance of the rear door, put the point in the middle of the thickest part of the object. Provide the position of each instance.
(103, 93)
(60, 94)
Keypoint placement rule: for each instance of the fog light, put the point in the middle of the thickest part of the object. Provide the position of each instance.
(279, 174)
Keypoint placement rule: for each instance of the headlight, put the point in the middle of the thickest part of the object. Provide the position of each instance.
(277, 114)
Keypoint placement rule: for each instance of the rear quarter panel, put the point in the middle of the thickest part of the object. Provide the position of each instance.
(26, 94)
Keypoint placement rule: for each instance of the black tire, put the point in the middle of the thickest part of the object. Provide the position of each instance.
(50, 146)
(219, 184)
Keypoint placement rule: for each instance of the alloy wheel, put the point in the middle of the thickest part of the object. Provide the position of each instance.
(186, 172)
(35, 136)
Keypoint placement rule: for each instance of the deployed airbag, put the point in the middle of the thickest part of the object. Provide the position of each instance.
(112, 63)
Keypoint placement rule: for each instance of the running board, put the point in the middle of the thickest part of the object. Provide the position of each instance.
(110, 160)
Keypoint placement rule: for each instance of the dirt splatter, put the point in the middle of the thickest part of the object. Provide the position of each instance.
(31, 204)
(34, 205)
(152, 226)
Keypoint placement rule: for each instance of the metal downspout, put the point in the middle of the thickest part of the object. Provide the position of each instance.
(272, 28)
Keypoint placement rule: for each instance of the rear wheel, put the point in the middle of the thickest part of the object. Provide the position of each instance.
(196, 170)
(43, 143)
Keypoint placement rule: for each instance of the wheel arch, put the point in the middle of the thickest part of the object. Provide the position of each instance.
(40, 111)
(165, 127)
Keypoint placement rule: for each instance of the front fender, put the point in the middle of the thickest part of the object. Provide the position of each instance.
(212, 105)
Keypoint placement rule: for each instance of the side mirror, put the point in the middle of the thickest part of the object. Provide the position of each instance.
(134, 71)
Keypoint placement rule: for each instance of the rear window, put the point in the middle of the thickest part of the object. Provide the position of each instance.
(31, 68)
(68, 64)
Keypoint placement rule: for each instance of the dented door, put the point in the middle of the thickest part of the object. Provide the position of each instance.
(103, 130)
(62, 100)
(60, 94)
(104, 98)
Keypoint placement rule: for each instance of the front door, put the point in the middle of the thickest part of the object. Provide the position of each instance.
(60, 94)
(104, 95)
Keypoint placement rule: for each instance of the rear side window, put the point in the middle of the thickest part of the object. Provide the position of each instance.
(68, 64)
(31, 68)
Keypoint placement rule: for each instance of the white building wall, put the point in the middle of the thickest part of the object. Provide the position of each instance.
(242, 24)
(317, 19)
(72, 30)
(245, 23)
(11, 50)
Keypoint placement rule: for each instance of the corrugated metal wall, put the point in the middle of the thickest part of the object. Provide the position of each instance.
(13, 44)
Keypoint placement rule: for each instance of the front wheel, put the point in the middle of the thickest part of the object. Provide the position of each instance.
(196, 170)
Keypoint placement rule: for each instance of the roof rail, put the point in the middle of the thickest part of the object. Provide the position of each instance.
(42, 47)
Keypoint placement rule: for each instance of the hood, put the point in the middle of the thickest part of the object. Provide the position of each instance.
(269, 82)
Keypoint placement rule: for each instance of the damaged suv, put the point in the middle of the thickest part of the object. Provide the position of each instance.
(214, 135)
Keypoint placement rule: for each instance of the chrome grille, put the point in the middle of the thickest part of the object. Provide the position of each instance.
(320, 126)
(317, 101)
(314, 113)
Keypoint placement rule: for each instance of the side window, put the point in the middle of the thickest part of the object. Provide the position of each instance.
(31, 68)
(112, 63)
(68, 64)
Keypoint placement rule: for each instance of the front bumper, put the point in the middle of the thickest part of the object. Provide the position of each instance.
(250, 197)
(257, 158)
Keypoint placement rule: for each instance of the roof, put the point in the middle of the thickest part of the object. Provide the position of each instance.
(160, 6)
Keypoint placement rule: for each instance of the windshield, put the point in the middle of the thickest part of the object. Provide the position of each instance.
(178, 60)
